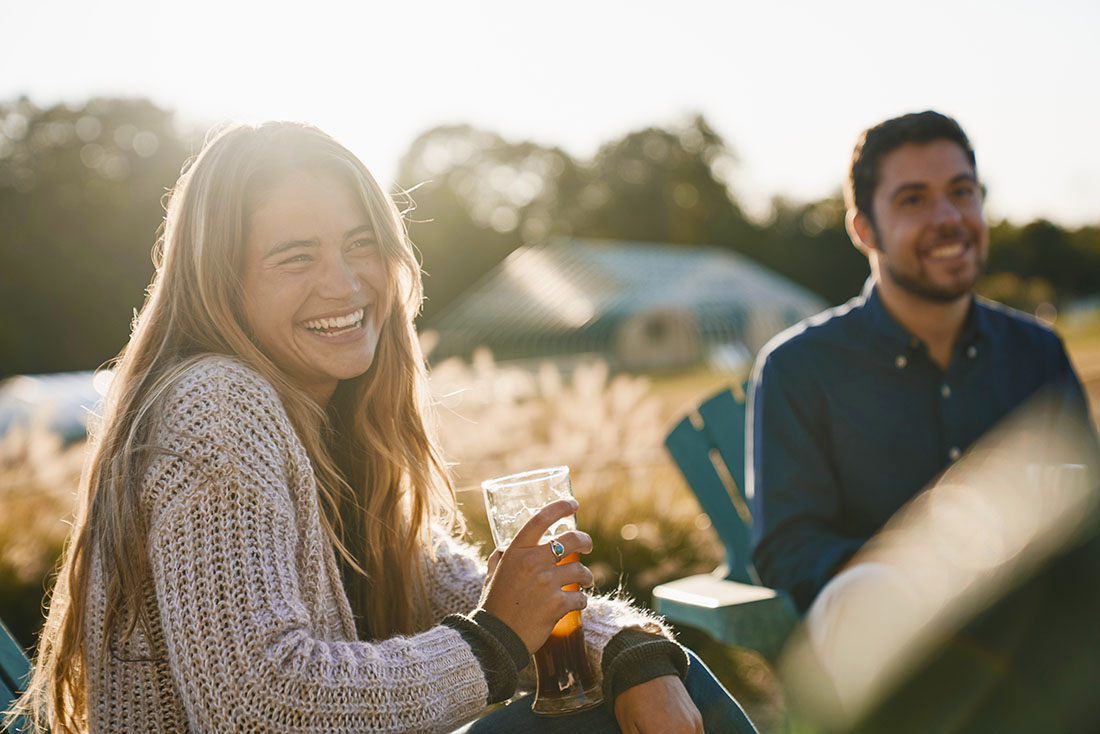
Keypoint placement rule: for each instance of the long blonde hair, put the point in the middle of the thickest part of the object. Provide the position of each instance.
(381, 476)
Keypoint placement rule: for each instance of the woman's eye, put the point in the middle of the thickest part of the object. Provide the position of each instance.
(303, 258)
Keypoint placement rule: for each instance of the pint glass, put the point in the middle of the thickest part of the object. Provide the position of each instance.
(566, 682)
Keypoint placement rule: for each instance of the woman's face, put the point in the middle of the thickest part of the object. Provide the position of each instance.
(314, 282)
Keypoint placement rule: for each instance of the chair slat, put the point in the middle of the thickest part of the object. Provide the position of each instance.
(734, 610)
(690, 448)
(724, 421)
(15, 672)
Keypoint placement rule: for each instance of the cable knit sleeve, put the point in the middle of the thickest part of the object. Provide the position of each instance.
(257, 630)
(457, 577)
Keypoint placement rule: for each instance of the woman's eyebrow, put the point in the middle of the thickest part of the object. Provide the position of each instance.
(361, 229)
(291, 244)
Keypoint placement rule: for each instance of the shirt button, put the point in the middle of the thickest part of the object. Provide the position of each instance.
(954, 453)
(972, 351)
(945, 391)
(901, 361)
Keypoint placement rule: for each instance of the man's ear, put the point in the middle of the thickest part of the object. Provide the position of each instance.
(861, 231)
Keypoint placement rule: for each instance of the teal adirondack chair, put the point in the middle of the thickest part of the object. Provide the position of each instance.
(730, 604)
(15, 671)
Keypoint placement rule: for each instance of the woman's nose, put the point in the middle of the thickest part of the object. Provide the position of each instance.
(337, 279)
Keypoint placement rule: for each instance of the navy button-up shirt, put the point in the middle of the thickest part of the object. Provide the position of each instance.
(851, 418)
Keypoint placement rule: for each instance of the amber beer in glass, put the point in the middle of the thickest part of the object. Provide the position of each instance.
(566, 681)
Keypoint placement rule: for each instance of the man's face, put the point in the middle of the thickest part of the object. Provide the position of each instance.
(928, 234)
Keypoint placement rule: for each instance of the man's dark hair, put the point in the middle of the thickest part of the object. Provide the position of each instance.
(876, 142)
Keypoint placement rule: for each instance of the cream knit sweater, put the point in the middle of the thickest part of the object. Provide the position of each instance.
(251, 629)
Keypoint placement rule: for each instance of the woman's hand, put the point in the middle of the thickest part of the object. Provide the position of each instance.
(523, 588)
(658, 706)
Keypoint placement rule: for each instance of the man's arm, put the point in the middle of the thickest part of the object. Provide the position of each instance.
(795, 499)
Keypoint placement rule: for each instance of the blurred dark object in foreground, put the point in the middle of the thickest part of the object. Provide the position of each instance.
(1001, 630)
(1029, 663)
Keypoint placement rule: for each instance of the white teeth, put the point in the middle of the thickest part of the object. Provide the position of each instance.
(339, 322)
(946, 251)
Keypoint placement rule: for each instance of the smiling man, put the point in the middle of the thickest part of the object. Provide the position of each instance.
(857, 409)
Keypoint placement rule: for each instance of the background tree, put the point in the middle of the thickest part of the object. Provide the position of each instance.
(1042, 262)
(80, 191)
(663, 185)
(80, 205)
(807, 243)
(477, 198)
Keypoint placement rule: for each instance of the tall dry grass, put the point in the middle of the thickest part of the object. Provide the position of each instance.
(38, 480)
(497, 419)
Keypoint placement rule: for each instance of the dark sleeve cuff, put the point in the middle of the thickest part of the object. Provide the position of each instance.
(635, 656)
(500, 651)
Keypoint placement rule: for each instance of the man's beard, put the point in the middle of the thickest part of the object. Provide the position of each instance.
(923, 288)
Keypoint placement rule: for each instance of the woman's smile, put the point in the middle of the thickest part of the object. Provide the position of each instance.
(331, 327)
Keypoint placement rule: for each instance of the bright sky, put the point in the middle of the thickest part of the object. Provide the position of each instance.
(789, 84)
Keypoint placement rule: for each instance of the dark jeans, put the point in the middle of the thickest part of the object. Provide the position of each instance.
(721, 714)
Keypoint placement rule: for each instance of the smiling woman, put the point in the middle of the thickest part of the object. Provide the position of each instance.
(264, 535)
(314, 281)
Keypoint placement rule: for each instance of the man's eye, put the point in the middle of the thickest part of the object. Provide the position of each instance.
(965, 192)
(910, 200)
(296, 259)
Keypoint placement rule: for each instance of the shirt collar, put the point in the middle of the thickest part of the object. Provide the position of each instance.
(881, 320)
(975, 326)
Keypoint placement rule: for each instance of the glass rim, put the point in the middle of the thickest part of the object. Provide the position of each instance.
(514, 480)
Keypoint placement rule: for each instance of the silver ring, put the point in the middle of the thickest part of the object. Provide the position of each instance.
(557, 548)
